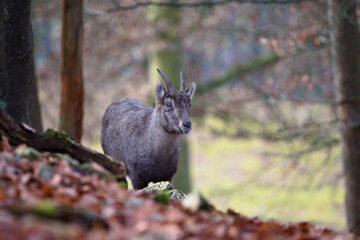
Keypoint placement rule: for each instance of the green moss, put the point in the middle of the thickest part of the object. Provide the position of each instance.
(49, 133)
(123, 184)
(110, 159)
(163, 197)
(59, 134)
(162, 191)
(109, 175)
(46, 208)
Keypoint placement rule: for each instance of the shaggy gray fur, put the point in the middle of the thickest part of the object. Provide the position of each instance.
(147, 139)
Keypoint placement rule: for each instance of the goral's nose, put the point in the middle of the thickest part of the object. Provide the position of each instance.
(187, 125)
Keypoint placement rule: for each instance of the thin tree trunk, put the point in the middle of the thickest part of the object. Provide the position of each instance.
(346, 52)
(182, 179)
(72, 93)
(168, 60)
(16, 58)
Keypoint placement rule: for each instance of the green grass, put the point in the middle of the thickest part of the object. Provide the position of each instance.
(236, 174)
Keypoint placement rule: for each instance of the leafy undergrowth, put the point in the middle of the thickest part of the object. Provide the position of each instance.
(50, 196)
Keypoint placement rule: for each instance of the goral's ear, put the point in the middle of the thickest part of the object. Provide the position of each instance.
(191, 90)
(160, 90)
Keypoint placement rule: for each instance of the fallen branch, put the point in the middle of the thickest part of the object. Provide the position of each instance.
(54, 141)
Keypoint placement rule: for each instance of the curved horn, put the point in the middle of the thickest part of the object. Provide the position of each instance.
(182, 83)
(167, 81)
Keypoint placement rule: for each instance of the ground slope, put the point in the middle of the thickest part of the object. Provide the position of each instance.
(52, 196)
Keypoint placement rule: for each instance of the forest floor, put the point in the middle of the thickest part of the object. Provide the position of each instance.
(52, 196)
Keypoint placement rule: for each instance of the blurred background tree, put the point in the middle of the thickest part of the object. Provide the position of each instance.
(72, 89)
(346, 53)
(265, 138)
(165, 53)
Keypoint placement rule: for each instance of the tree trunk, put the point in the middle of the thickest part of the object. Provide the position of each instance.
(182, 178)
(72, 93)
(34, 106)
(346, 53)
(16, 58)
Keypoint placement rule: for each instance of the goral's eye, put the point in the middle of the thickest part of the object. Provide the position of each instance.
(168, 105)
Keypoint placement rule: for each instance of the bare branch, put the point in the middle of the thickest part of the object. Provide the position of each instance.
(240, 69)
(189, 4)
(284, 97)
(251, 66)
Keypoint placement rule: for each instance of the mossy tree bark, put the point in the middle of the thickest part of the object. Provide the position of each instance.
(346, 53)
(168, 60)
(16, 58)
(72, 90)
(59, 142)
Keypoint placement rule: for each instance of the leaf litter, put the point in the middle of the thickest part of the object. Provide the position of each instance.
(44, 196)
